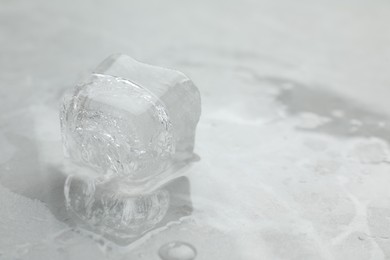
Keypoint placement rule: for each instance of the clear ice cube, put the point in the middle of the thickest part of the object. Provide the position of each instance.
(130, 119)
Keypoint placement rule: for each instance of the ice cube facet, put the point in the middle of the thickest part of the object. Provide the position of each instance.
(130, 119)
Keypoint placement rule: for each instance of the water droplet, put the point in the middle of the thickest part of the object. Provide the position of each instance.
(177, 251)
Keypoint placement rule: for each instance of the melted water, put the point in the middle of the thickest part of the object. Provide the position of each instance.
(177, 251)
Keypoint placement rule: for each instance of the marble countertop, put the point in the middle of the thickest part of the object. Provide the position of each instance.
(293, 140)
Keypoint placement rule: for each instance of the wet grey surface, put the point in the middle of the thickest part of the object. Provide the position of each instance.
(293, 140)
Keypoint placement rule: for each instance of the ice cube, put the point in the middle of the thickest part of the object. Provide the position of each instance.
(130, 119)
(108, 209)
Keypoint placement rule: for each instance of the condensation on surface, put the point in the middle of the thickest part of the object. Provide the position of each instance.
(177, 250)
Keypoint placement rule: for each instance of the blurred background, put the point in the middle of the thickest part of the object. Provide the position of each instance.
(293, 138)
(340, 44)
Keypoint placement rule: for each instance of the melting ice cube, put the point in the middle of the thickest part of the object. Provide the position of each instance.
(129, 119)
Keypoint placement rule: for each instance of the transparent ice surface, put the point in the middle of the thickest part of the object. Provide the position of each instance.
(130, 119)
(127, 122)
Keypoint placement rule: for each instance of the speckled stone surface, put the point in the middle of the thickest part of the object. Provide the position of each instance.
(293, 140)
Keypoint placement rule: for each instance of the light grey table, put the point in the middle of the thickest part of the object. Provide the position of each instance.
(293, 139)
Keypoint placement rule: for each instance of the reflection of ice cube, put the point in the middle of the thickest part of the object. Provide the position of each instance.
(130, 119)
(111, 211)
